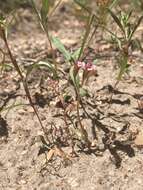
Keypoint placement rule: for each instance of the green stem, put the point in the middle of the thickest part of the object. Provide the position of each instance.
(44, 26)
(87, 32)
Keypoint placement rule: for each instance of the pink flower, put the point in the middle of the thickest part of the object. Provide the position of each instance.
(86, 66)
(90, 67)
(81, 64)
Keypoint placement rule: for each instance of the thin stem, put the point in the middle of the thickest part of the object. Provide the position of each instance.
(84, 132)
(55, 7)
(14, 62)
(44, 26)
(93, 33)
(87, 32)
(51, 46)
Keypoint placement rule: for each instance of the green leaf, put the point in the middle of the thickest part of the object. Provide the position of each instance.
(136, 44)
(75, 54)
(6, 66)
(44, 10)
(58, 44)
(82, 4)
(95, 61)
(113, 3)
(123, 67)
(42, 64)
(74, 77)
(67, 98)
(135, 27)
(83, 92)
(116, 19)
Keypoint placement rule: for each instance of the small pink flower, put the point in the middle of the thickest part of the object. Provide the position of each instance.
(87, 67)
(90, 67)
(81, 64)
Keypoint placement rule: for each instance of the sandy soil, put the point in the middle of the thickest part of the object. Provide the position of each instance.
(117, 167)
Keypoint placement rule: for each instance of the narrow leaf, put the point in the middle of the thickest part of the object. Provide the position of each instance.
(48, 65)
(75, 54)
(116, 19)
(45, 9)
(74, 77)
(136, 26)
(58, 44)
(83, 92)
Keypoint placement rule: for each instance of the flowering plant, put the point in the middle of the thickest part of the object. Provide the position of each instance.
(88, 69)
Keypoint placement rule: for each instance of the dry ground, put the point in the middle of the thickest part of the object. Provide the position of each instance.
(20, 166)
